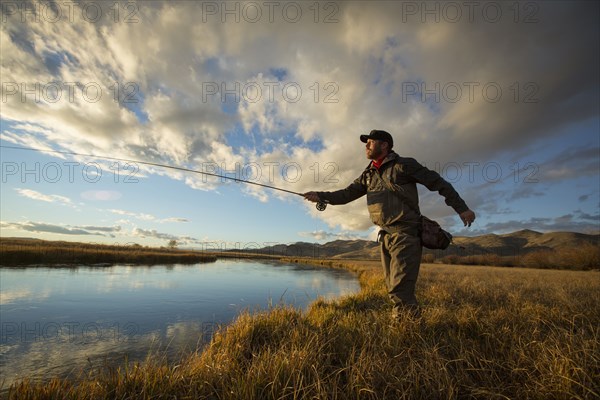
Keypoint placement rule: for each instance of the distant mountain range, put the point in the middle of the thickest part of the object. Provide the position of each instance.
(510, 244)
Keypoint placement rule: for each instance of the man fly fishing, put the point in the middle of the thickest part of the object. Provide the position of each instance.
(389, 181)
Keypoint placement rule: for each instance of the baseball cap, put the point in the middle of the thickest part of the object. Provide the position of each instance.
(378, 135)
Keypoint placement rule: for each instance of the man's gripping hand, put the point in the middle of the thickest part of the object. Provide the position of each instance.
(467, 217)
(312, 196)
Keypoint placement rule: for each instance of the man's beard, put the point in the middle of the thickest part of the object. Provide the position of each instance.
(375, 154)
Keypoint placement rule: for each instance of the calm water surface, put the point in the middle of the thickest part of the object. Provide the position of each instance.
(56, 321)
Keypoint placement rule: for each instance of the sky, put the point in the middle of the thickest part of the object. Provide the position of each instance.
(500, 98)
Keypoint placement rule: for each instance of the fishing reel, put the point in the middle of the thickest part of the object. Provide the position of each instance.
(321, 205)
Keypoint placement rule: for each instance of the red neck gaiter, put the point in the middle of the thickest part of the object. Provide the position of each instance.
(377, 163)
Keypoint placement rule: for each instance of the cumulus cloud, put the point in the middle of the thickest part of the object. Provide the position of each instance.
(49, 198)
(153, 233)
(174, 219)
(146, 217)
(101, 195)
(140, 216)
(40, 227)
(183, 87)
(90, 230)
(181, 240)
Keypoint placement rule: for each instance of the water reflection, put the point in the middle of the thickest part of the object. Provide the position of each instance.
(55, 321)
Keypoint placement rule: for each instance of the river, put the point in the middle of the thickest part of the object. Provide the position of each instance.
(58, 321)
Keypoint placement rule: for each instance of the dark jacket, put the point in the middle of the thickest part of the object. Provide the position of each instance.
(392, 197)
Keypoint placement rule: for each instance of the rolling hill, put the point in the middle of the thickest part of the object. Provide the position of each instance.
(512, 244)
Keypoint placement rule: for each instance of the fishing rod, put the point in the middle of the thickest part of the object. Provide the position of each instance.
(321, 205)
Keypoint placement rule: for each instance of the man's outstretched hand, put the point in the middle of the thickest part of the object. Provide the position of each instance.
(467, 217)
(312, 196)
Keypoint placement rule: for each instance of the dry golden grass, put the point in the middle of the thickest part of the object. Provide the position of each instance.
(583, 257)
(27, 252)
(485, 333)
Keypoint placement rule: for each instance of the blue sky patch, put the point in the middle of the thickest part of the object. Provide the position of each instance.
(279, 73)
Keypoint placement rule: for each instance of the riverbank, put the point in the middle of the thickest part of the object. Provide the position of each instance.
(27, 252)
(485, 333)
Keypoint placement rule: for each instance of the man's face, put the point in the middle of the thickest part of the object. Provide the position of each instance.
(375, 149)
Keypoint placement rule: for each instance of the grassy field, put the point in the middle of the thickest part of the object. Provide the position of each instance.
(21, 252)
(485, 333)
(583, 257)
